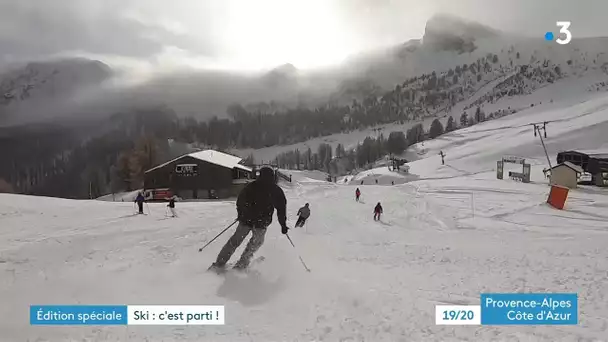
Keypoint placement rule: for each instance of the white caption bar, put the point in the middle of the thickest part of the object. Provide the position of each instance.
(175, 314)
(457, 315)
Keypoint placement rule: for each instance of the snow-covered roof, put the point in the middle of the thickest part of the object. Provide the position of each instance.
(213, 157)
(570, 165)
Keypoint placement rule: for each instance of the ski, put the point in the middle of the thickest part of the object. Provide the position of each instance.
(229, 267)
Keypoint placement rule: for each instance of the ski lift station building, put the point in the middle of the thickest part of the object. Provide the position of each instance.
(594, 162)
(200, 175)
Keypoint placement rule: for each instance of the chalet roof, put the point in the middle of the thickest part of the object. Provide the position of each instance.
(213, 157)
(569, 165)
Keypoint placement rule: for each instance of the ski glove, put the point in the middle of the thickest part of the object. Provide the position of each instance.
(284, 229)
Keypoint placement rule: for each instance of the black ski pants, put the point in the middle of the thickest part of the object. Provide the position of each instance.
(300, 222)
(256, 241)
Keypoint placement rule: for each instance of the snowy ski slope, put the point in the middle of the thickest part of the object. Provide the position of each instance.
(447, 235)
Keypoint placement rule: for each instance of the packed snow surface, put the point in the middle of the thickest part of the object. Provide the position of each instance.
(448, 233)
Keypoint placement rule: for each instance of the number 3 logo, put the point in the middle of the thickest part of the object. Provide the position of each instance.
(564, 29)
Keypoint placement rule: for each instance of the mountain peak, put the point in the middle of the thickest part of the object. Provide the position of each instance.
(448, 32)
(285, 69)
(40, 84)
(282, 76)
(442, 22)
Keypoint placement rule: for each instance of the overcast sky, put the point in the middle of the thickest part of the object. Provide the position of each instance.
(251, 34)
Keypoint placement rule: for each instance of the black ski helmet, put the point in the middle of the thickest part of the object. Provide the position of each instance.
(266, 174)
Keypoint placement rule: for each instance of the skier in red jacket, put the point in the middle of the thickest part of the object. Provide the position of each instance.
(357, 194)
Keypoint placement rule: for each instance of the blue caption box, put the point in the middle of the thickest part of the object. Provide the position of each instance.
(529, 309)
(78, 314)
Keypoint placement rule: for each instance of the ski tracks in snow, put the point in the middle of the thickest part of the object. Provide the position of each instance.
(370, 281)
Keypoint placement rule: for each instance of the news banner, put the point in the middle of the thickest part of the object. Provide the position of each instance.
(494, 309)
(513, 309)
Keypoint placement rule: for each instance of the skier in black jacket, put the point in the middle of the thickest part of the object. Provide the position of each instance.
(377, 212)
(303, 215)
(255, 207)
(171, 205)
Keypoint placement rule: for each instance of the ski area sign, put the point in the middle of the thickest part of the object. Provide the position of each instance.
(523, 176)
(513, 160)
(186, 169)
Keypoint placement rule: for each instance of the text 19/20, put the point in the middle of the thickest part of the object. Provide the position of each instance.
(458, 315)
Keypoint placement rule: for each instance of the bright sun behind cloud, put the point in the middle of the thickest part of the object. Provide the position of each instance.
(267, 33)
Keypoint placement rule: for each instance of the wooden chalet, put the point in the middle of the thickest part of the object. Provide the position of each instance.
(199, 175)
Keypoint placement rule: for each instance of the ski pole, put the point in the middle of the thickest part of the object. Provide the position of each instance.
(218, 235)
(294, 246)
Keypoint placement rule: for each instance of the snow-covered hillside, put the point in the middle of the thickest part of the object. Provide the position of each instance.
(577, 126)
(450, 41)
(39, 86)
(48, 80)
(561, 94)
(475, 150)
(448, 234)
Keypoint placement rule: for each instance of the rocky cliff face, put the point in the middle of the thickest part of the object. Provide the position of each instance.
(447, 33)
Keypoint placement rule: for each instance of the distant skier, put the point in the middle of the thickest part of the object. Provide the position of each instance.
(255, 206)
(357, 194)
(377, 212)
(303, 215)
(171, 205)
(140, 199)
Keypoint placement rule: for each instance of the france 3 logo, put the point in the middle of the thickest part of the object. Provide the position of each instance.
(564, 30)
